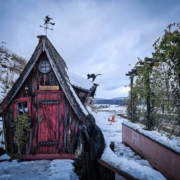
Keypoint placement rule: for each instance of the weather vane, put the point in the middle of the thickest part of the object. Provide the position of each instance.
(46, 23)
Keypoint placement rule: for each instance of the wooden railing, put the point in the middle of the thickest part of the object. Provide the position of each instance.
(107, 171)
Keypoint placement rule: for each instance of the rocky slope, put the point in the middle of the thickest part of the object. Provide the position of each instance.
(11, 65)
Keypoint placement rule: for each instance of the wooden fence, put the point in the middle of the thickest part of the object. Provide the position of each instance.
(107, 171)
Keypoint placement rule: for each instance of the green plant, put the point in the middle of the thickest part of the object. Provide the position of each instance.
(158, 80)
(168, 47)
(145, 92)
(22, 125)
(132, 109)
(15, 156)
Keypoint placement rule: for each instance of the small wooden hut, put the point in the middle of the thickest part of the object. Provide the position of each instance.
(54, 100)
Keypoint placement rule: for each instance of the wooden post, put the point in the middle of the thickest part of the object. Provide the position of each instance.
(104, 172)
(149, 125)
(130, 74)
(149, 93)
(131, 78)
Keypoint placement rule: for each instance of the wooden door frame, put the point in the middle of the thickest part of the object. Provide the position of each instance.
(37, 93)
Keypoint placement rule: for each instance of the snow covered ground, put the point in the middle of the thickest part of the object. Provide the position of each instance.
(123, 158)
(37, 170)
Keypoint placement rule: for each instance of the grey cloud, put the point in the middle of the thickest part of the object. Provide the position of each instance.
(91, 36)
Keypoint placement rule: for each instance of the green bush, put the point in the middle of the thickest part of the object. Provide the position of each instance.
(22, 125)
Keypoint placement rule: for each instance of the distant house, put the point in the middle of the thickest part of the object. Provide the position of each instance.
(54, 100)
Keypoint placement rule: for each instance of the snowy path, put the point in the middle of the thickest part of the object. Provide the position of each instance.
(37, 170)
(114, 134)
(123, 158)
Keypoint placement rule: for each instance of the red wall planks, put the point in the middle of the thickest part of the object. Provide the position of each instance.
(56, 121)
(48, 156)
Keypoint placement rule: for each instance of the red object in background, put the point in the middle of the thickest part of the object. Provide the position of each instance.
(112, 120)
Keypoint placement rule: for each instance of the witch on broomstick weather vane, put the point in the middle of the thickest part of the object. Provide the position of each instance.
(46, 23)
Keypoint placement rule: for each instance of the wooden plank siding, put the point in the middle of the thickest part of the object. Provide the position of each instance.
(55, 124)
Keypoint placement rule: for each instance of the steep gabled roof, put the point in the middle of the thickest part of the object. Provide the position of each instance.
(59, 67)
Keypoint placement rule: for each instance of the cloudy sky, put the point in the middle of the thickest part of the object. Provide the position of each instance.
(92, 36)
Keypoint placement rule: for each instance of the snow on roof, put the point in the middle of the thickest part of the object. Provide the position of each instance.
(79, 81)
(78, 101)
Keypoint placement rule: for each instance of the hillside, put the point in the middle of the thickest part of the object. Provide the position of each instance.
(116, 101)
(11, 65)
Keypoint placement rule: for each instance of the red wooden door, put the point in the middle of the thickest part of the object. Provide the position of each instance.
(48, 114)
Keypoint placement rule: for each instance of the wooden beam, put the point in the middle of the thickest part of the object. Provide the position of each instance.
(128, 74)
(138, 67)
(134, 71)
(148, 59)
(48, 156)
(118, 171)
(141, 63)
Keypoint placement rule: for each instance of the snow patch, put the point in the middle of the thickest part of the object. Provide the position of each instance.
(79, 81)
(5, 157)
